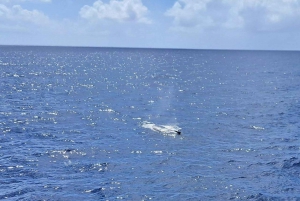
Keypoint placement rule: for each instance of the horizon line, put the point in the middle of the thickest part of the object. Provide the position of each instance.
(158, 48)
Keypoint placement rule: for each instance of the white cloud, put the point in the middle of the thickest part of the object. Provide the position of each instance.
(257, 15)
(123, 10)
(16, 14)
(19, 1)
(263, 15)
(190, 13)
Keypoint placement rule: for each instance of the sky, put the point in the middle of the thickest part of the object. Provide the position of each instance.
(195, 24)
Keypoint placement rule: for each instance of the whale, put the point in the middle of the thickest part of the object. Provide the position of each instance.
(164, 129)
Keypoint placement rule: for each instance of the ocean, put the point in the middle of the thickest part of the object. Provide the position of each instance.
(148, 124)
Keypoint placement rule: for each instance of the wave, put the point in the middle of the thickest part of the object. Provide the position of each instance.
(291, 163)
(164, 129)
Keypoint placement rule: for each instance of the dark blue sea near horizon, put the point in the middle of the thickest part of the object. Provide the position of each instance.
(99, 124)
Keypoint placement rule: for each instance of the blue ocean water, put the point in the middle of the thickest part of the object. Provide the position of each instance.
(72, 124)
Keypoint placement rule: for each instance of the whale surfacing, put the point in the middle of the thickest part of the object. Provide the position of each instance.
(164, 129)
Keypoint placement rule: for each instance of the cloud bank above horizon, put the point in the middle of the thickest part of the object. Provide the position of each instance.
(202, 24)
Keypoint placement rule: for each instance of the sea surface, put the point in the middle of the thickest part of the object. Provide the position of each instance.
(100, 124)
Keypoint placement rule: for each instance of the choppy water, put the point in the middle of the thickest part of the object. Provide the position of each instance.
(71, 124)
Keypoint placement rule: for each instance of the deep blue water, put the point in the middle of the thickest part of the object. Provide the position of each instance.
(71, 124)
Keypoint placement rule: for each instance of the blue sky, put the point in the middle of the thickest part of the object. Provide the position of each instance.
(200, 24)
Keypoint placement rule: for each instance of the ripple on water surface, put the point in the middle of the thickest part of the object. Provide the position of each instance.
(72, 123)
